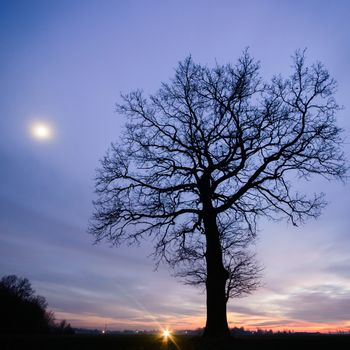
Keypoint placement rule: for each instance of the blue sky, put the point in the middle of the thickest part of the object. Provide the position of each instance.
(65, 63)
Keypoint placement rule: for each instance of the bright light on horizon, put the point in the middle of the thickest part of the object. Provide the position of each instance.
(166, 333)
(41, 131)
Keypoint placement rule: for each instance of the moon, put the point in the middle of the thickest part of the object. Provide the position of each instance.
(41, 131)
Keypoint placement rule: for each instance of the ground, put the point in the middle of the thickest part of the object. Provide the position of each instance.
(151, 342)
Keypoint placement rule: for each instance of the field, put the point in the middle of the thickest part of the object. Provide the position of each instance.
(182, 342)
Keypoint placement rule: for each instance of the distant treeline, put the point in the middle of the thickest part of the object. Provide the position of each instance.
(266, 332)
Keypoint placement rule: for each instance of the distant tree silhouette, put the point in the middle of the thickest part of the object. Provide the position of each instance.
(22, 311)
(215, 149)
(63, 327)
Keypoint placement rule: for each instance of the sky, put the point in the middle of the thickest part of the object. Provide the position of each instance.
(65, 63)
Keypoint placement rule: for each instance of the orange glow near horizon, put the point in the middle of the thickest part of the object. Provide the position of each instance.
(194, 322)
(278, 324)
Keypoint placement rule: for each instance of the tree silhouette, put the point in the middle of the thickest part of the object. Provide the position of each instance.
(21, 310)
(215, 149)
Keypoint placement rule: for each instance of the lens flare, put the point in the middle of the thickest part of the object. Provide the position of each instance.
(166, 333)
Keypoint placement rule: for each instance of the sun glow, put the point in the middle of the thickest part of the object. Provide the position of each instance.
(166, 333)
(41, 131)
(168, 338)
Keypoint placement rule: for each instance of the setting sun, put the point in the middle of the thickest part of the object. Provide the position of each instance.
(166, 333)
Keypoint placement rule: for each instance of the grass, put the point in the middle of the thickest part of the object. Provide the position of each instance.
(183, 342)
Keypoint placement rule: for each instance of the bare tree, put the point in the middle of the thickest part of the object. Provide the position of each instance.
(216, 149)
(19, 287)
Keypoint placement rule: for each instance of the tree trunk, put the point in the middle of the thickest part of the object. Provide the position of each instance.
(216, 325)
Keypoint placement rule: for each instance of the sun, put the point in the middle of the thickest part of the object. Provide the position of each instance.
(41, 131)
(166, 333)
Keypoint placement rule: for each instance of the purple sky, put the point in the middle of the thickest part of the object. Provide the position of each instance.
(66, 62)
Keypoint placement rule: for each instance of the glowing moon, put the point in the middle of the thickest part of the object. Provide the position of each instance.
(41, 131)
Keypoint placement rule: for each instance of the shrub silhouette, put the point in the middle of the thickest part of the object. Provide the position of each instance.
(63, 327)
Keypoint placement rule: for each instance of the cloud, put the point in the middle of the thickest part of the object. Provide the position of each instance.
(246, 310)
(323, 307)
(276, 323)
(322, 304)
(341, 269)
